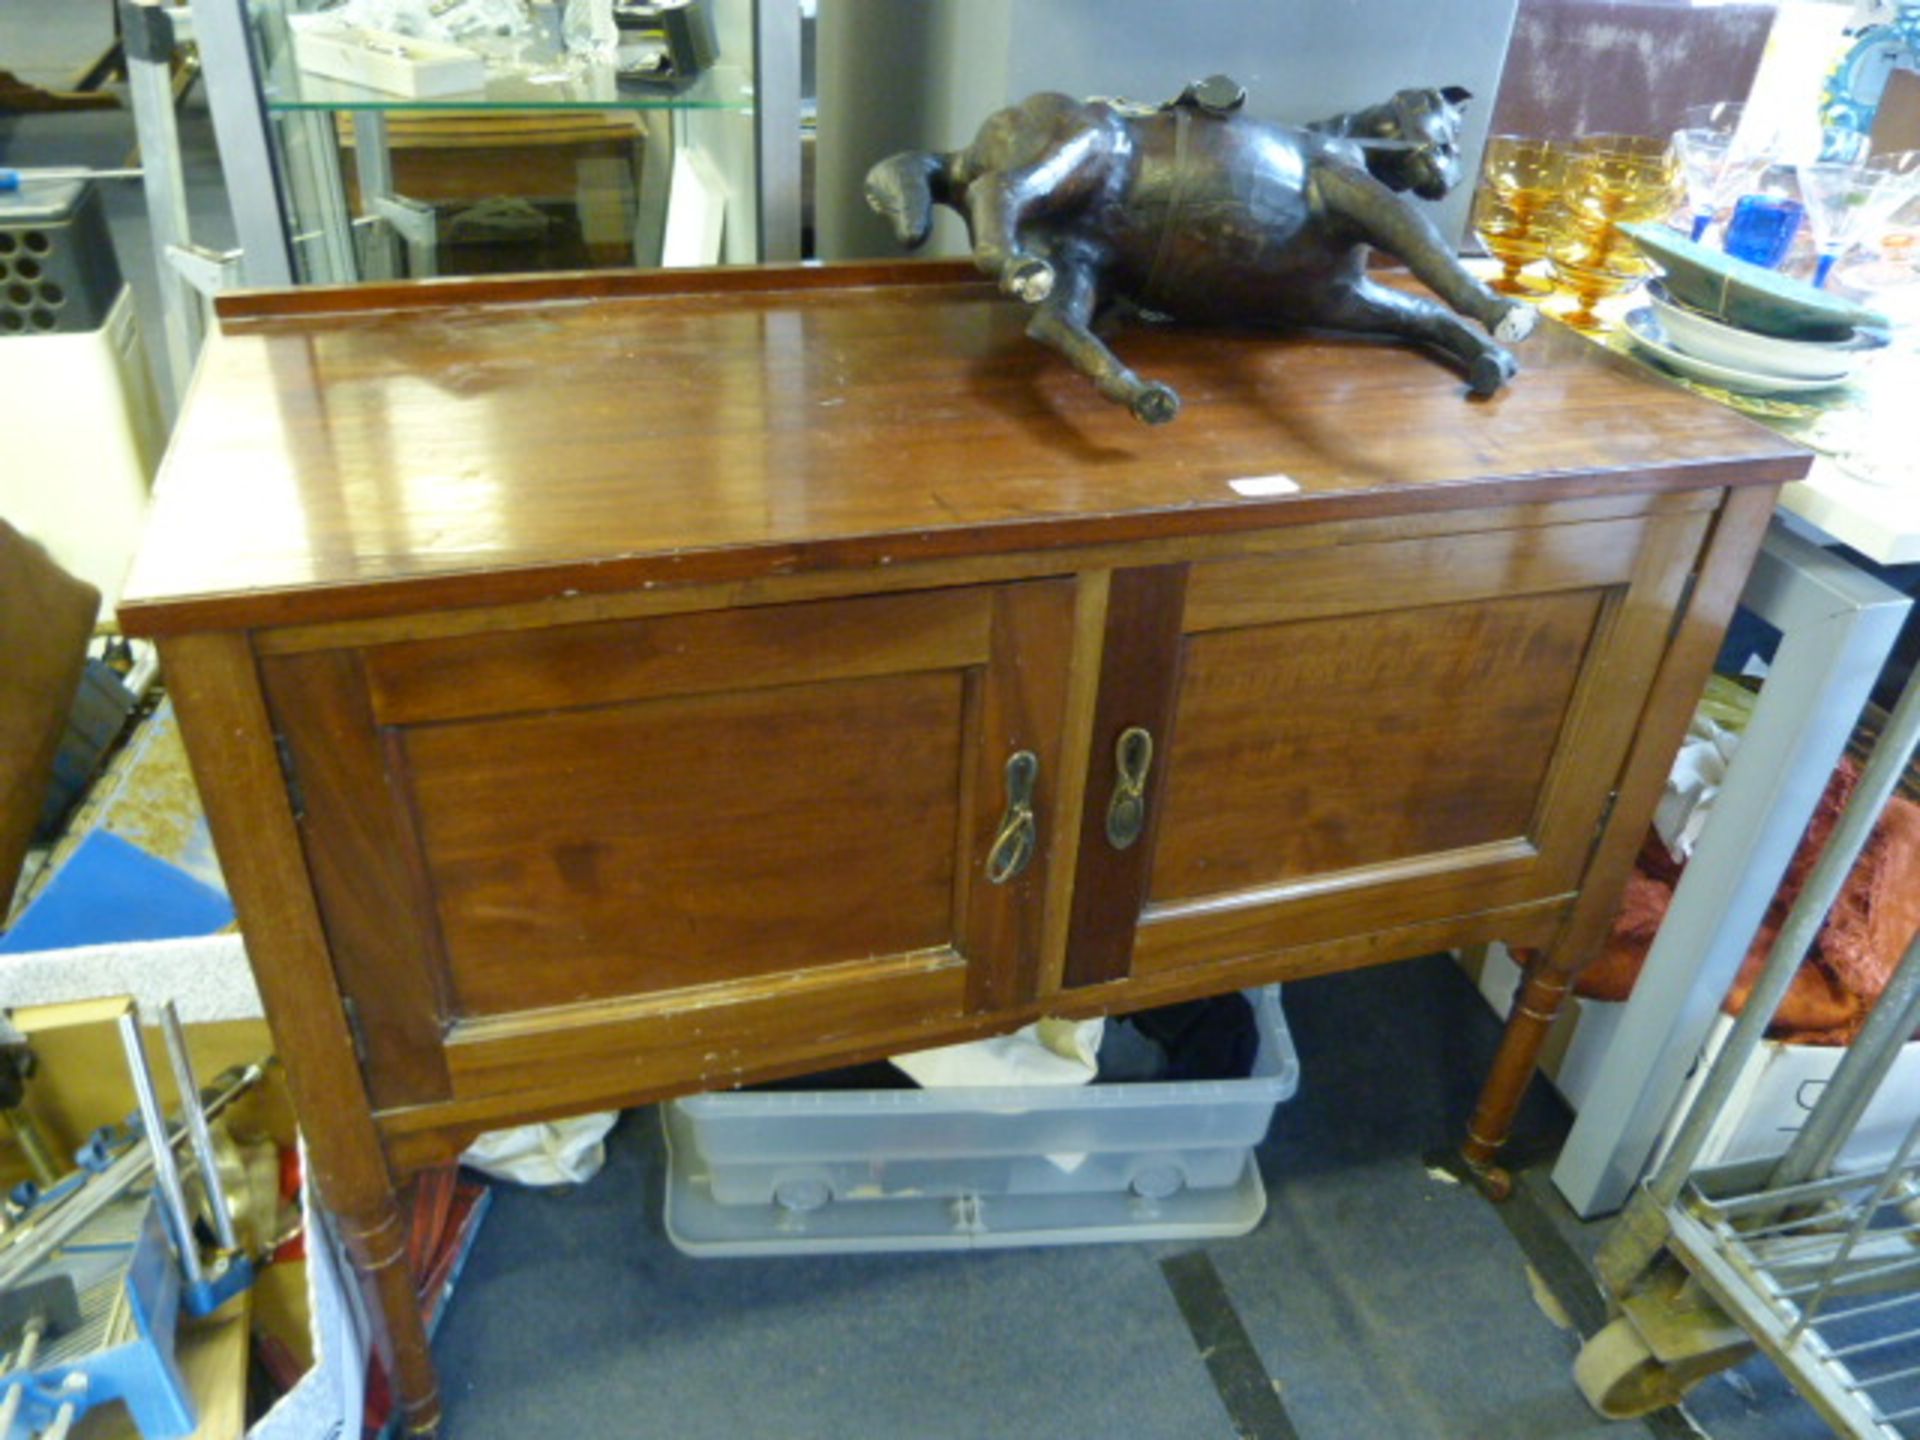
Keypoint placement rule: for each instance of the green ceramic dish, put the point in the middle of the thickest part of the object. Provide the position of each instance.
(1745, 295)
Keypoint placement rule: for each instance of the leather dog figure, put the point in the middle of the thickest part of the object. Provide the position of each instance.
(1196, 212)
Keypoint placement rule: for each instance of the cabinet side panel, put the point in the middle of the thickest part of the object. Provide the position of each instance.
(368, 874)
(229, 740)
(1722, 566)
(1720, 574)
(229, 737)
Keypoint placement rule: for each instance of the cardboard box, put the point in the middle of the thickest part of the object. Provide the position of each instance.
(1777, 1092)
(81, 1083)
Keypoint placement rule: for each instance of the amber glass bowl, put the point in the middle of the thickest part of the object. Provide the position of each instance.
(1513, 211)
(1609, 181)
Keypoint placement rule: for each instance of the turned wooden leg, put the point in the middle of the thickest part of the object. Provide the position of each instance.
(1533, 1012)
(223, 716)
(377, 1244)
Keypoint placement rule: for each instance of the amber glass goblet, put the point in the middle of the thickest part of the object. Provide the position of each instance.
(1520, 183)
(1611, 180)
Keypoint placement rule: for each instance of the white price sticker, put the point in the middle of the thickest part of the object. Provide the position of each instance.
(1255, 486)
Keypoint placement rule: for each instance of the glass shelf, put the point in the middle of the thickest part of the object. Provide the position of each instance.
(540, 84)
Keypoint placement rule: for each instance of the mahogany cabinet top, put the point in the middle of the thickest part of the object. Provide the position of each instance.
(376, 450)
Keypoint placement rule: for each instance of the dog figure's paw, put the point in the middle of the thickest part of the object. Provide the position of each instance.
(1516, 325)
(1030, 280)
(1155, 403)
(1491, 370)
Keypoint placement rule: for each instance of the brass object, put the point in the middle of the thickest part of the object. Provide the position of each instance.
(1127, 811)
(33, 1147)
(1014, 844)
(250, 1178)
(1514, 209)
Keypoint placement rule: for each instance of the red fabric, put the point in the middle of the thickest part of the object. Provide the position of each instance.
(1852, 958)
(295, 1245)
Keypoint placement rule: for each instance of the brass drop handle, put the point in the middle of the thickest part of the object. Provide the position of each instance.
(1127, 811)
(1013, 846)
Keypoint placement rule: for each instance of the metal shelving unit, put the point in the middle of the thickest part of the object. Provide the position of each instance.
(1817, 1267)
(1825, 1277)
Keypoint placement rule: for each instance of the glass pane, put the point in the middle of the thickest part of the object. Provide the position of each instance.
(310, 180)
(550, 163)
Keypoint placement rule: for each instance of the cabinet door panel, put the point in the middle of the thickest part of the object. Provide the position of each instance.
(573, 826)
(1385, 735)
(1331, 745)
(635, 848)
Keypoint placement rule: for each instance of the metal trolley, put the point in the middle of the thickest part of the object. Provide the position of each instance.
(1819, 1269)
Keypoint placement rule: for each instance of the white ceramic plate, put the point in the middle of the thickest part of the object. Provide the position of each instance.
(1721, 344)
(1644, 326)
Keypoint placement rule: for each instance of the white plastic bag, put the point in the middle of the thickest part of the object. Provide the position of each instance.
(1693, 785)
(1047, 1052)
(557, 1152)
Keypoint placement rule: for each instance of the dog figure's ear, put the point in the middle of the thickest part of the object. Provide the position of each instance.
(1456, 94)
(903, 188)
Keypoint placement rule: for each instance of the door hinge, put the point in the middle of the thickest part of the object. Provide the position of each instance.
(1683, 605)
(1606, 817)
(296, 797)
(355, 1030)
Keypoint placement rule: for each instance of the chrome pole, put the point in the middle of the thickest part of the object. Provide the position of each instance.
(166, 1170)
(195, 1116)
(242, 129)
(36, 1327)
(147, 29)
(62, 1424)
(776, 123)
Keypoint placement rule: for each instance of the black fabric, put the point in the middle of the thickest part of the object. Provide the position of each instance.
(1212, 1039)
(876, 1075)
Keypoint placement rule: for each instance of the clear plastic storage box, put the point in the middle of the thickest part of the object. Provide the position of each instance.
(761, 1173)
